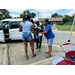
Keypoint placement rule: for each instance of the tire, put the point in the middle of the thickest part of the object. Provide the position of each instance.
(6, 41)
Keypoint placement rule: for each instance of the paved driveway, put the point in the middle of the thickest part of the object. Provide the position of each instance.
(61, 37)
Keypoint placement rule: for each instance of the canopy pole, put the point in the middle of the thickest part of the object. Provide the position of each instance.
(71, 29)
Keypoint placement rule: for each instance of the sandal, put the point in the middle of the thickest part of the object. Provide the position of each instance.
(34, 55)
(46, 53)
(47, 56)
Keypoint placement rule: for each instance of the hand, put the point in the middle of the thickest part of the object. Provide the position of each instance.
(35, 32)
(40, 29)
(41, 33)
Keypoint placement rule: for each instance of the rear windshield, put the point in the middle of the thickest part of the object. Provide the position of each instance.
(0, 25)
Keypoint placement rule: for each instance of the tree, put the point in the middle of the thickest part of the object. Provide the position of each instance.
(4, 14)
(32, 15)
(60, 16)
(67, 19)
(54, 15)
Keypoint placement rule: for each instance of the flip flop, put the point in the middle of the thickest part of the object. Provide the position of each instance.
(34, 55)
(46, 53)
(47, 56)
(27, 58)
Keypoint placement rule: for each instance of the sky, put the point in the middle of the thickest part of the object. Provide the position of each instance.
(43, 13)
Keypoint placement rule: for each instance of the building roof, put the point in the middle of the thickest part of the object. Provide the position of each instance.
(50, 19)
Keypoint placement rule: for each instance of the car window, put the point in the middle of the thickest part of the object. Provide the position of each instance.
(0, 25)
(6, 24)
(15, 24)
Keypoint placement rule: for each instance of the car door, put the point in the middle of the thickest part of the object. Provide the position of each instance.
(14, 31)
(1, 32)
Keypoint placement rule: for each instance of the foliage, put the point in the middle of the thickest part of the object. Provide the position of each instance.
(60, 23)
(56, 15)
(67, 20)
(4, 14)
(32, 15)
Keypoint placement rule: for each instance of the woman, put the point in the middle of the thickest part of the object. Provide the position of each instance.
(49, 36)
(38, 40)
(26, 27)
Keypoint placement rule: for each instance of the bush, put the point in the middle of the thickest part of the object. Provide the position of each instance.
(60, 23)
(68, 23)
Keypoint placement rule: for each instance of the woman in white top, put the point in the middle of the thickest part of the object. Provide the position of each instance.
(26, 27)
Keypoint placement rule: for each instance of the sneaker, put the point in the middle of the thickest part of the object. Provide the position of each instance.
(39, 49)
(36, 48)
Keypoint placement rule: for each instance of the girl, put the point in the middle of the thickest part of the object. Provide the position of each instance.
(49, 36)
(26, 27)
(36, 28)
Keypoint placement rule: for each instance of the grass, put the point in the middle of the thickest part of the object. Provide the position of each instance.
(3, 48)
(65, 27)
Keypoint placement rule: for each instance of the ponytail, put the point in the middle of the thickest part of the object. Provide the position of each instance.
(24, 18)
(49, 22)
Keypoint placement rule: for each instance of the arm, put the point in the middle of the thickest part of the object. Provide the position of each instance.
(41, 28)
(20, 28)
(32, 29)
(46, 31)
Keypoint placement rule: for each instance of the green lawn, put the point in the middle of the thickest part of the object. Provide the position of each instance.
(65, 27)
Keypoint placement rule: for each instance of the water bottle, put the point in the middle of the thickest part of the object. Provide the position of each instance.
(35, 35)
(73, 58)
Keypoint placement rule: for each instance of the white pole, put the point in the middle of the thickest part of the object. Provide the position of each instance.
(71, 29)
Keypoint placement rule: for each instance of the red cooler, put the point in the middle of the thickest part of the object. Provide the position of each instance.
(70, 51)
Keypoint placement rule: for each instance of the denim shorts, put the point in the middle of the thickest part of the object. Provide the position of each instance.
(26, 36)
(50, 41)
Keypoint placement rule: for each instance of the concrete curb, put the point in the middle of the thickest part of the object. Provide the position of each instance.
(43, 62)
(5, 56)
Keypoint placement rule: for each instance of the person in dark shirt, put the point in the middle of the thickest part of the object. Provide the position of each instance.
(38, 39)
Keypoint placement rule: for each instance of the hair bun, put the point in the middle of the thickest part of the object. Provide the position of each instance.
(46, 20)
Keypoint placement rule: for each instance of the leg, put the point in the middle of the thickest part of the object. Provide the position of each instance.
(25, 44)
(33, 38)
(36, 42)
(32, 48)
(40, 42)
(50, 49)
(50, 42)
(36, 45)
(33, 42)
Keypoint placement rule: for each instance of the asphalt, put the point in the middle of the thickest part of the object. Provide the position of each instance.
(2, 48)
(17, 55)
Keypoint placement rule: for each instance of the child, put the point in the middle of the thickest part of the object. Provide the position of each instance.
(38, 41)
